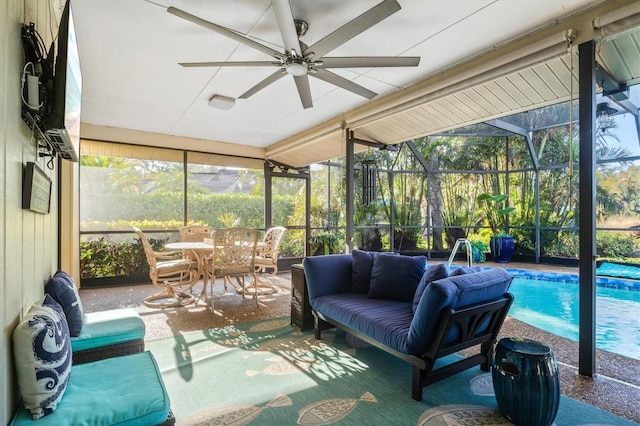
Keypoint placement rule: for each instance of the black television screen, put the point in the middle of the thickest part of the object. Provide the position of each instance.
(62, 125)
(36, 189)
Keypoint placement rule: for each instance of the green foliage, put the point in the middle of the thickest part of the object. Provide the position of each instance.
(103, 258)
(495, 215)
(614, 244)
(229, 220)
(325, 242)
(478, 247)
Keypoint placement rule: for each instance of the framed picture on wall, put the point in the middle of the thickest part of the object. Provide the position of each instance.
(36, 189)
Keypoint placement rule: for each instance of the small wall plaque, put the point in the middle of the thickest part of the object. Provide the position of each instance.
(36, 189)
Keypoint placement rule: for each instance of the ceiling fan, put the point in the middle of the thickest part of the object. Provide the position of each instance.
(300, 60)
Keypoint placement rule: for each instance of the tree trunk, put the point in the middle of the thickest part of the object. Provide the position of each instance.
(436, 203)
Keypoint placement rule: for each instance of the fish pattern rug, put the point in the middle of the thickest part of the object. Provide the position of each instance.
(270, 373)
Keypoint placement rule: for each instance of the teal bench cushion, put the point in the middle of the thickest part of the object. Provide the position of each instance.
(108, 328)
(126, 390)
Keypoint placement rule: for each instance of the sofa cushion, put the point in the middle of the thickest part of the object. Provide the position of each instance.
(386, 321)
(63, 290)
(328, 274)
(125, 390)
(462, 270)
(454, 292)
(42, 355)
(435, 272)
(109, 328)
(362, 263)
(396, 277)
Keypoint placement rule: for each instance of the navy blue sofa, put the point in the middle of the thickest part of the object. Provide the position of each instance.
(415, 311)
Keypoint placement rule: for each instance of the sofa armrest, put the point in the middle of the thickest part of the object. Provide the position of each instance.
(329, 274)
(453, 292)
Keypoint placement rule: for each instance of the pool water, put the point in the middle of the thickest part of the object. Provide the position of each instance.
(553, 306)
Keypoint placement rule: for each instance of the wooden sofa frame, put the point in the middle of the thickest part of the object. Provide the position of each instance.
(469, 319)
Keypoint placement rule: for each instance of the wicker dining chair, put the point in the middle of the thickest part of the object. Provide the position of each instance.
(233, 257)
(170, 272)
(267, 255)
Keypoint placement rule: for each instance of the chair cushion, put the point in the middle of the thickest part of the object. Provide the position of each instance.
(109, 328)
(125, 390)
(42, 355)
(435, 272)
(169, 266)
(64, 291)
(396, 277)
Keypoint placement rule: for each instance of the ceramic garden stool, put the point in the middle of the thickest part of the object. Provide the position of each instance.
(526, 381)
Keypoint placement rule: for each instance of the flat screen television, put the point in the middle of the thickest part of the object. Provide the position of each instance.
(62, 124)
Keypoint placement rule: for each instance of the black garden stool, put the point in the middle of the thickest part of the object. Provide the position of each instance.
(526, 381)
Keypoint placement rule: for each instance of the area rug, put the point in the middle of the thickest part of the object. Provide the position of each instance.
(269, 373)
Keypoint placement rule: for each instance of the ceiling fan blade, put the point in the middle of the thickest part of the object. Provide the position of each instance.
(302, 83)
(351, 29)
(342, 82)
(225, 32)
(264, 83)
(231, 64)
(282, 9)
(369, 62)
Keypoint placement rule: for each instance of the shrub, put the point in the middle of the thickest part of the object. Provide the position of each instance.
(614, 244)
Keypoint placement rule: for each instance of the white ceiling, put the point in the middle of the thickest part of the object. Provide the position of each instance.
(132, 83)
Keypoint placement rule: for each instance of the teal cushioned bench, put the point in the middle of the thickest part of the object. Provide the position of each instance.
(126, 390)
(108, 333)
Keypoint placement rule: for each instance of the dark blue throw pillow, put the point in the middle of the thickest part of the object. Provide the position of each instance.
(62, 289)
(396, 277)
(361, 265)
(433, 273)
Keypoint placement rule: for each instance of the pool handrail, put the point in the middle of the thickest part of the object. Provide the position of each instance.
(467, 243)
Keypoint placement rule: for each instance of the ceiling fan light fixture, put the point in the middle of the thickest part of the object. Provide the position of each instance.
(297, 68)
(221, 102)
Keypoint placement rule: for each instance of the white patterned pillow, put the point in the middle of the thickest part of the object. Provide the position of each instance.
(42, 354)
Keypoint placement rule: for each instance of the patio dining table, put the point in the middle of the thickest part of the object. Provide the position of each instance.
(199, 250)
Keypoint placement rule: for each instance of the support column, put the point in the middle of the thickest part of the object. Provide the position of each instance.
(268, 195)
(350, 207)
(587, 191)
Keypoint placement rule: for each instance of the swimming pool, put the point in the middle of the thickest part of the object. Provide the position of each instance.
(550, 301)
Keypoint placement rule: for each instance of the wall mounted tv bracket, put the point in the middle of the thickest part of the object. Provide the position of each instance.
(37, 76)
(37, 84)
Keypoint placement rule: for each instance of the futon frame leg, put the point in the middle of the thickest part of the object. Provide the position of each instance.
(416, 383)
(487, 350)
(316, 327)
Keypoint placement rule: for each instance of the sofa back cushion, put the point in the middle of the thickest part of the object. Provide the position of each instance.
(432, 273)
(462, 270)
(362, 264)
(453, 292)
(42, 355)
(396, 277)
(63, 290)
(328, 274)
